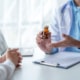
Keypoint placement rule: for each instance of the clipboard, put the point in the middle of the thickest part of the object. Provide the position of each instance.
(63, 60)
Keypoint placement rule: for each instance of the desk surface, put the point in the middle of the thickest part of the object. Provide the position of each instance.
(31, 71)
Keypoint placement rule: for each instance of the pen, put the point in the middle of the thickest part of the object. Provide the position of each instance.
(49, 64)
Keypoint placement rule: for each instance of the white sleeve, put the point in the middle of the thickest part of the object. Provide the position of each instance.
(54, 27)
(6, 70)
(55, 30)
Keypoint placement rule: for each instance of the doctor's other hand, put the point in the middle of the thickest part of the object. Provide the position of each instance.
(67, 42)
(14, 56)
(43, 43)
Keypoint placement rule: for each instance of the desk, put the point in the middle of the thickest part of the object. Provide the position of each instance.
(31, 71)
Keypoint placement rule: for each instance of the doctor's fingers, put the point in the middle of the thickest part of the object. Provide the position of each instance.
(49, 35)
(67, 37)
(39, 40)
(40, 35)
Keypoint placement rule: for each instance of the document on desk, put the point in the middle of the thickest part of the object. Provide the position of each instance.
(61, 60)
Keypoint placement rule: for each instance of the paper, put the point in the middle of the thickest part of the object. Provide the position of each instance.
(64, 59)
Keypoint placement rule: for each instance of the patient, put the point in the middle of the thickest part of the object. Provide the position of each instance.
(9, 61)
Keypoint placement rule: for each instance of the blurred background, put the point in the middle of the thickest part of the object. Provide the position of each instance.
(21, 20)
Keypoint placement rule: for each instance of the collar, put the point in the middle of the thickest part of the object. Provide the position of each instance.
(75, 8)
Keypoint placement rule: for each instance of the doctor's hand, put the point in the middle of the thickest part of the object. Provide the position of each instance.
(67, 42)
(43, 43)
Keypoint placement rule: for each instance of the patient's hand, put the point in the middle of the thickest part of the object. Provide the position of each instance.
(3, 58)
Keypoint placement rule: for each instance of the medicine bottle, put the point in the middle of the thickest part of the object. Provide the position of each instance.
(45, 32)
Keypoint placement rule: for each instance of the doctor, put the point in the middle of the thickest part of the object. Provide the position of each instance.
(64, 28)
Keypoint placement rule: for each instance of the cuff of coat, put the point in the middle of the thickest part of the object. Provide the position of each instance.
(53, 51)
(10, 64)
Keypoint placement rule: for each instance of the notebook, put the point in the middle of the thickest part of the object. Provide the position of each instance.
(61, 60)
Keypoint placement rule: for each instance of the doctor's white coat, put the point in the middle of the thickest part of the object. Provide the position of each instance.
(61, 23)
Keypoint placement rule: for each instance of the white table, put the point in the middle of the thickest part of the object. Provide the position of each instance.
(31, 71)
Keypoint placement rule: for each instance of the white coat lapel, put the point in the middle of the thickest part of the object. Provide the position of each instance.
(68, 17)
